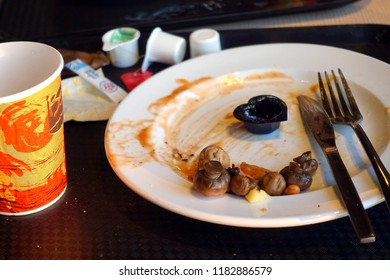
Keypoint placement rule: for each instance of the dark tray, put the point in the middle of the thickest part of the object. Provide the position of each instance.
(99, 217)
(41, 18)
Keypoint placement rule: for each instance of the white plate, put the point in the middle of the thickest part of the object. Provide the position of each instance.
(169, 111)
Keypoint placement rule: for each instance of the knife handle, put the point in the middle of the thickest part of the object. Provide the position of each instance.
(379, 168)
(350, 197)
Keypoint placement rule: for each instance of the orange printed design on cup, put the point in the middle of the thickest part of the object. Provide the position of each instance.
(55, 111)
(25, 129)
(32, 153)
(11, 166)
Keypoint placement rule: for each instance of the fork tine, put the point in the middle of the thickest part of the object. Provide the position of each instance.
(324, 96)
(333, 97)
(352, 103)
(344, 106)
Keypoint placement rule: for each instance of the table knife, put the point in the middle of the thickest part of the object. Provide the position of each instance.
(319, 123)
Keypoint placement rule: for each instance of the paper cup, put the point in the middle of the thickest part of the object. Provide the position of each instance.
(32, 153)
(164, 48)
(122, 54)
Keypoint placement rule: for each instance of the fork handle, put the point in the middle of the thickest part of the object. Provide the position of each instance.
(379, 168)
(350, 197)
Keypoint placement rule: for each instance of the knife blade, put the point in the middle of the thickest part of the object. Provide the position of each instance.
(320, 125)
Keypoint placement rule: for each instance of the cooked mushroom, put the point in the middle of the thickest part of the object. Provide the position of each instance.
(212, 180)
(273, 183)
(213, 152)
(308, 164)
(242, 184)
(300, 171)
(303, 157)
(294, 175)
(295, 167)
(233, 170)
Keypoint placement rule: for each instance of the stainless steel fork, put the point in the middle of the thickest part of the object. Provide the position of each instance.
(345, 111)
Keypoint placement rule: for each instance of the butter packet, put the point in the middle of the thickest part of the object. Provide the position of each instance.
(103, 84)
(84, 102)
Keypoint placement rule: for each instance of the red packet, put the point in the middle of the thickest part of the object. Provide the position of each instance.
(133, 79)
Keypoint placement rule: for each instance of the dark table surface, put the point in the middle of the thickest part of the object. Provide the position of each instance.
(99, 217)
(43, 18)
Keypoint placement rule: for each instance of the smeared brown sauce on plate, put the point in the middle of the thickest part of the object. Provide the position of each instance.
(198, 113)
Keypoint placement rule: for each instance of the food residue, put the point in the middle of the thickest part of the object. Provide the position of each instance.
(198, 113)
(216, 176)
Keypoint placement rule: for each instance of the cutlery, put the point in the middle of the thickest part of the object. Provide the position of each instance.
(319, 123)
(347, 112)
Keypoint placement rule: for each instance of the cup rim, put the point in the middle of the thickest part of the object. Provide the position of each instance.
(152, 38)
(212, 39)
(40, 85)
(106, 38)
(146, 63)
